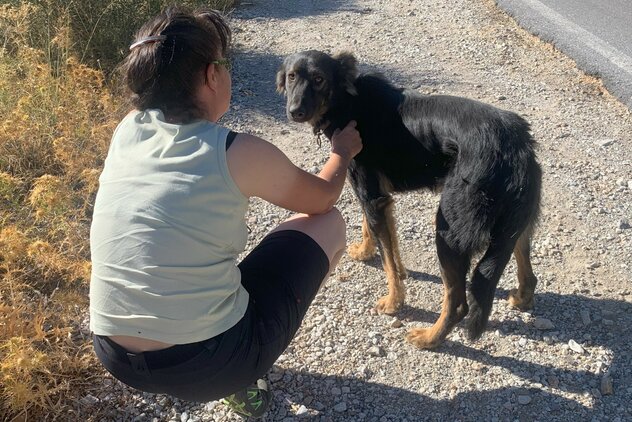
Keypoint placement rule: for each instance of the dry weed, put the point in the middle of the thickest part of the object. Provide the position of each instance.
(55, 127)
(57, 115)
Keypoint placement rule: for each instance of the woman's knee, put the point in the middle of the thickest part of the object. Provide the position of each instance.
(338, 224)
(328, 230)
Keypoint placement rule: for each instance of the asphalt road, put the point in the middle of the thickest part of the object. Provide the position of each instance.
(597, 34)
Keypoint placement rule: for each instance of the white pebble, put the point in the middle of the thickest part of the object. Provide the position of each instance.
(375, 351)
(302, 411)
(575, 347)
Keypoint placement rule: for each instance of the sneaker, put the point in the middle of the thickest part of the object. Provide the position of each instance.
(250, 402)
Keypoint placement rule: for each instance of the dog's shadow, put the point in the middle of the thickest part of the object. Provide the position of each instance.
(376, 263)
(423, 276)
(413, 314)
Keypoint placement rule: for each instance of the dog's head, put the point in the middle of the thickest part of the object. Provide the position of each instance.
(312, 81)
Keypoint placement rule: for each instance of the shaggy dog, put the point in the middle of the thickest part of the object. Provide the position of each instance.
(479, 157)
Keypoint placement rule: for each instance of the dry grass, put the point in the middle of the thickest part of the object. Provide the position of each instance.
(97, 32)
(57, 114)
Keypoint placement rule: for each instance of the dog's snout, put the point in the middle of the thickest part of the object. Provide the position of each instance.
(297, 113)
(302, 98)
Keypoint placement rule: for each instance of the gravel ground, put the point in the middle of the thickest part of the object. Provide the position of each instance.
(569, 359)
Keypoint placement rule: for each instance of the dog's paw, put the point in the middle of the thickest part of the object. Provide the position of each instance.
(360, 252)
(422, 338)
(389, 304)
(520, 302)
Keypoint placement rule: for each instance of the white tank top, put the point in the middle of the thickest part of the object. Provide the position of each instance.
(168, 225)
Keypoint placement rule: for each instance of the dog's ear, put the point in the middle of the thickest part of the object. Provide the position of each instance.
(348, 70)
(280, 79)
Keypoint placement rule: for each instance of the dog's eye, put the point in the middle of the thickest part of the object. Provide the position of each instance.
(319, 80)
(291, 76)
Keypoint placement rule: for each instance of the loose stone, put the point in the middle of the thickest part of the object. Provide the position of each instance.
(524, 399)
(585, 316)
(607, 388)
(396, 323)
(575, 347)
(543, 324)
(376, 351)
(553, 381)
(341, 407)
(302, 411)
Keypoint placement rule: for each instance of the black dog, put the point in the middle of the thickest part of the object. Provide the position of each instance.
(480, 157)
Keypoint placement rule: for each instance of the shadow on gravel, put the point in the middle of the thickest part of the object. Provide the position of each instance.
(367, 400)
(254, 84)
(376, 262)
(423, 276)
(282, 9)
(590, 322)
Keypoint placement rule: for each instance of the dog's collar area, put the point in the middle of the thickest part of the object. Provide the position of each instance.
(319, 130)
(321, 125)
(319, 137)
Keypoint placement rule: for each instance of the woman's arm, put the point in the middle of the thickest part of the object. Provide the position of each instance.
(261, 169)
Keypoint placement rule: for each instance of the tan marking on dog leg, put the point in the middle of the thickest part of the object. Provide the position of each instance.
(522, 297)
(397, 258)
(393, 267)
(387, 186)
(453, 310)
(366, 249)
(394, 300)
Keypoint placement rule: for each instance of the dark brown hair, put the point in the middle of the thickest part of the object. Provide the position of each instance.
(165, 74)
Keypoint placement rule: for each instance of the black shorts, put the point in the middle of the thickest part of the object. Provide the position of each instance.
(282, 276)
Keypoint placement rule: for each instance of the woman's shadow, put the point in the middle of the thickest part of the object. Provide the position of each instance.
(339, 398)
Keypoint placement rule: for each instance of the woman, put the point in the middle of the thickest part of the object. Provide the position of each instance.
(171, 310)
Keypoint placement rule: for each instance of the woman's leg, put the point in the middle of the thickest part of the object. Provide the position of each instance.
(285, 271)
(327, 230)
(282, 275)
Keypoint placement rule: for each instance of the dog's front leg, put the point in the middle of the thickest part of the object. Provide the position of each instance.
(379, 215)
(366, 249)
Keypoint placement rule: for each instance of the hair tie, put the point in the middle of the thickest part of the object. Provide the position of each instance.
(151, 39)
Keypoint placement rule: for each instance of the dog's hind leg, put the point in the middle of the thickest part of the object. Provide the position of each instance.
(484, 281)
(382, 225)
(365, 250)
(454, 267)
(522, 298)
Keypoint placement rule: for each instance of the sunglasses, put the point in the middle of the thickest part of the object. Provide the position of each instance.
(224, 62)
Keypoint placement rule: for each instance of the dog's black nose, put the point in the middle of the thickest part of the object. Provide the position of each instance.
(298, 113)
